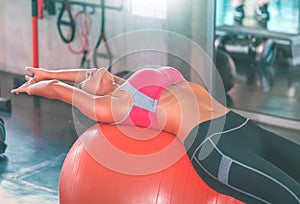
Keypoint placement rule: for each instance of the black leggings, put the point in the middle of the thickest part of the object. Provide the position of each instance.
(236, 157)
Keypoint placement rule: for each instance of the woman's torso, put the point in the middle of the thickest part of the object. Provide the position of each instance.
(144, 88)
(179, 105)
(186, 105)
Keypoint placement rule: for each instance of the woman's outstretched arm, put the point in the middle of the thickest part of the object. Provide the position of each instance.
(71, 75)
(99, 108)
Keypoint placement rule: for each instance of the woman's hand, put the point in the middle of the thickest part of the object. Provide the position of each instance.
(39, 88)
(39, 74)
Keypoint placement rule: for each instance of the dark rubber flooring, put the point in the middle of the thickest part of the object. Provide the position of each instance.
(39, 133)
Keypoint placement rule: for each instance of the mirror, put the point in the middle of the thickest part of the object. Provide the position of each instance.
(265, 56)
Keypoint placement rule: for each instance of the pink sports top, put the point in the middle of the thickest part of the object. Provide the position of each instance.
(145, 87)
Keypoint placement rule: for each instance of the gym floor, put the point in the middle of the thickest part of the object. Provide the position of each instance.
(39, 133)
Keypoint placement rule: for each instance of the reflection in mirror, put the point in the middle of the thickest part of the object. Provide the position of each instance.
(265, 56)
(283, 15)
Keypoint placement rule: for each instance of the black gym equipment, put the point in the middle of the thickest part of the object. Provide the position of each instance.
(260, 51)
(5, 104)
(286, 46)
(2, 137)
(102, 37)
(49, 5)
(226, 67)
(71, 23)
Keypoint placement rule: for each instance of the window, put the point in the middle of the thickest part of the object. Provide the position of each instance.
(149, 8)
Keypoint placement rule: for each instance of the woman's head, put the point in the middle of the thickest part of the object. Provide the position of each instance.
(99, 82)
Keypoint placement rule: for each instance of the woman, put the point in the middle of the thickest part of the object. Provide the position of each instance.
(244, 161)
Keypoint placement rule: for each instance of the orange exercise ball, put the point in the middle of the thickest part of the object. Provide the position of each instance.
(105, 165)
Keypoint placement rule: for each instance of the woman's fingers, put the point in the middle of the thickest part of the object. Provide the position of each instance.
(39, 74)
(30, 69)
(24, 87)
(19, 90)
(27, 78)
(15, 91)
(29, 81)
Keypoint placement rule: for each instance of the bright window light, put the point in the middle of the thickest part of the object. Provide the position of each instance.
(149, 8)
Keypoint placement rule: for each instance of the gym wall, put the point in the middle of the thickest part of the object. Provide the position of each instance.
(197, 23)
